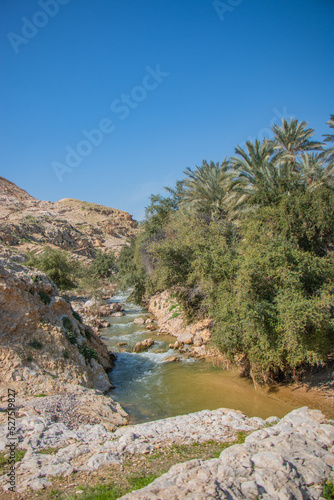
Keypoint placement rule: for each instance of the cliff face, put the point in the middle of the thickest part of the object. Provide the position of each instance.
(43, 346)
(73, 225)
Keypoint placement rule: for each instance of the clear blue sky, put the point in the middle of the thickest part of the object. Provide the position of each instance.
(227, 74)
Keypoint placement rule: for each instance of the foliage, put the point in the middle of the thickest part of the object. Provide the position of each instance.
(44, 297)
(103, 265)
(77, 316)
(57, 266)
(35, 344)
(67, 323)
(249, 243)
(70, 333)
(328, 490)
(87, 352)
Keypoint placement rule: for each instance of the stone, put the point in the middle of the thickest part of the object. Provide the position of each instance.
(151, 328)
(172, 359)
(138, 321)
(185, 338)
(143, 346)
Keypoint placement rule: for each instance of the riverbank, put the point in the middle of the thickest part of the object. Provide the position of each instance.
(292, 456)
(315, 388)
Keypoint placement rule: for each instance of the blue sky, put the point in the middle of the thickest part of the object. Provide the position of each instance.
(167, 83)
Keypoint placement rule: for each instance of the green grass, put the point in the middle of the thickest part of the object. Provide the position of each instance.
(42, 395)
(48, 451)
(174, 306)
(87, 352)
(19, 454)
(111, 491)
(175, 315)
(140, 481)
(328, 490)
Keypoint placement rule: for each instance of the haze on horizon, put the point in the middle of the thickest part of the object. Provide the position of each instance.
(108, 102)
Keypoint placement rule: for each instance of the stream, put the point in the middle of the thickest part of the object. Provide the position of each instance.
(148, 388)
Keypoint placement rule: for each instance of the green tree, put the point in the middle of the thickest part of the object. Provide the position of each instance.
(103, 265)
(329, 153)
(205, 188)
(57, 266)
(257, 179)
(293, 138)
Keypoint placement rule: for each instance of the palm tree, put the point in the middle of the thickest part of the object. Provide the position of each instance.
(329, 153)
(314, 172)
(292, 139)
(205, 188)
(257, 176)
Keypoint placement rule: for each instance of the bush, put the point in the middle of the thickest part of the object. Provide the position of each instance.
(67, 323)
(70, 333)
(87, 352)
(44, 297)
(57, 266)
(103, 265)
(35, 344)
(77, 316)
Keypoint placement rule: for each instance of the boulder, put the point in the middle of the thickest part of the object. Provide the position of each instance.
(143, 346)
(117, 314)
(138, 321)
(90, 303)
(197, 341)
(151, 328)
(185, 338)
(172, 359)
(176, 345)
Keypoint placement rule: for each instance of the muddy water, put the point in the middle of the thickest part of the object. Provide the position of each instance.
(148, 388)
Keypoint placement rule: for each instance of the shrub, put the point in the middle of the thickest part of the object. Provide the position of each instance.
(70, 333)
(57, 266)
(77, 316)
(35, 344)
(67, 323)
(87, 352)
(103, 265)
(44, 297)
(88, 333)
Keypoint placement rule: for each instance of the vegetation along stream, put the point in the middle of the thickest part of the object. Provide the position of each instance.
(150, 388)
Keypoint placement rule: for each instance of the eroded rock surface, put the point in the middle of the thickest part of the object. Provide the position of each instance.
(290, 460)
(87, 447)
(43, 346)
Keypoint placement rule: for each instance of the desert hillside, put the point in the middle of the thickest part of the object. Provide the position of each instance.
(73, 225)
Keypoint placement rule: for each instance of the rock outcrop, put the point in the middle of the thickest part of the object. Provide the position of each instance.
(42, 344)
(290, 460)
(194, 338)
(280, 459)
(72, 225)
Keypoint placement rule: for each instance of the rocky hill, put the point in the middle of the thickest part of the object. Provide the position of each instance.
(47, 350)
(27, 224)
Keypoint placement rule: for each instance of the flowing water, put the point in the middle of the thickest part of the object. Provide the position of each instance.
(148, 388)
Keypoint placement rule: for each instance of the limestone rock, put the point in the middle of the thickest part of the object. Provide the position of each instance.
(143, 346)
(185, 338)
(138, 321)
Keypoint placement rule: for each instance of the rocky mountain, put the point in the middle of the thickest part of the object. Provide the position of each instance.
(27, 224)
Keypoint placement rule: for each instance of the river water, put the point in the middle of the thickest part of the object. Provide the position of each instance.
(148, 388)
